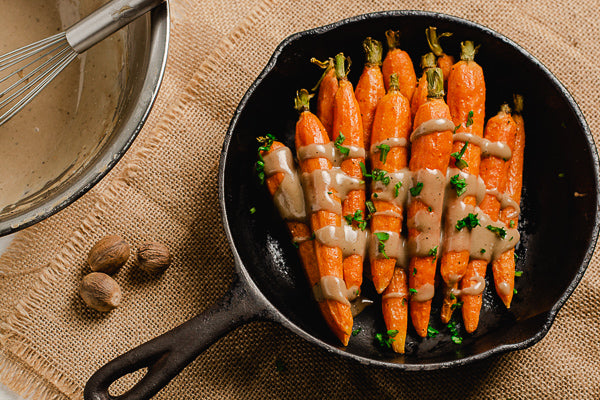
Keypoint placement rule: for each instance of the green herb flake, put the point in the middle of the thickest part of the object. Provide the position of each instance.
(432, 332)
(380, 175)
(358, 217)
(511, 224)
(386, 339)
(370, 207)
(416, 190)
(253, 210)
(296, 244)
(313, 236)
(456, 339)
(260, 171)
(397, 187)
(414, 271)
(456, 128)
(375, 195)
(384, 150)
(482, 251)
(518, 273)
(433, 252)
(470, 222)
(500, 232)
(456, 305)
(382, 237)
(363, 169)
(329, 192)
(470, 119)
(515, 291)
(452, 296)
(460, 163)
(338, 145)
(356, 331)
(561, 175)
(459, 184)
(454, 331)
(429, 209)
(412, 290)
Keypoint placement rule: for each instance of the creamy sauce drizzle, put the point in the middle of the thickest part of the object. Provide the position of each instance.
(472, 290)
(330, 152)
(289, 196)
(488, 148)
(350, 240)
(392, 142)
(432, 126)
(423, 293)
(324, 188)
(381, 191)
(394, 247)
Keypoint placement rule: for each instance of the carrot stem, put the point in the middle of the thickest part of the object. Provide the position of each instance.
(433, 40)
(373, 50)
(326, 65)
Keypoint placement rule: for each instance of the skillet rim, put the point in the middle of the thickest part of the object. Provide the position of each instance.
(278, 316)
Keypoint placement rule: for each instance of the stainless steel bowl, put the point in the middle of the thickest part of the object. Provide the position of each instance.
(146, 55)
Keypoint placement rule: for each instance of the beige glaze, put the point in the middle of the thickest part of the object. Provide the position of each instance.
(321, 185)
(330, 152)
(392, 142)
(350, 240)
(289, 196)
(432, 126)
(488, 148)
(394, 247)
(57, 132)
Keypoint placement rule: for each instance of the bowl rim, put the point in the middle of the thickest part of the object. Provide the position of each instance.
(158, 50)
(550, 314)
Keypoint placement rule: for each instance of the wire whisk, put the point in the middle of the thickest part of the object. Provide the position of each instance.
(25, 72)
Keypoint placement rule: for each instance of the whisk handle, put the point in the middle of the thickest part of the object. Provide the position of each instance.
(105, 21)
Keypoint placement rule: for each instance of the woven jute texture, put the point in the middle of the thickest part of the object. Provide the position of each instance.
(165, 189)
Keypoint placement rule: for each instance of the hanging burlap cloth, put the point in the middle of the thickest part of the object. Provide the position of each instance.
(165, 189)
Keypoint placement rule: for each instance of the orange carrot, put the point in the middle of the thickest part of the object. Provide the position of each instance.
(420, 94)
(504, 266)
(348, 131)
(392, 120)
(444, 61)
(309, 130)
(431, 152)
(370, 87)
(493, 171)
(466, 99)
(327, 86)
(395, 308)
(399, 62)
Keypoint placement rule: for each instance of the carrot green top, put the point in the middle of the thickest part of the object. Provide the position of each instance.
(468, 50)
(433, 40)
(518, 102)
(428, 61)
(393, 39)
(341, 70)
(326, 65)
(373, 51)
(435, 83)
(302, 100)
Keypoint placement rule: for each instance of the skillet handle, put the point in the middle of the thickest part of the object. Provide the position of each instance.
(166, 355)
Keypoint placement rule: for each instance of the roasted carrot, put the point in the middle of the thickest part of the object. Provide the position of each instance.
(430, 152)
(309, 130)
(504, 266)
(444, 61)
(327, 86)
(348, 132)
(466, 99)
(494, 172)
(420, 94)
(395, 308)
(399, 62)
(370, 87)
(392, 120)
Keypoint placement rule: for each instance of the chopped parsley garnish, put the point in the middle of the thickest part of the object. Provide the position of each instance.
(266, 143)
(338, 144)
(358, 217)
(356, 331)
(511, 224)
(470, 119)
(500, 232)
(313, 236)
(414, 271)
(379, 175)
(370, 207)
(296, 244)
(432, 332)
(416, 189)
(456, 128)
(382, 237)
(482, 251)
(429, 209)
(363, 169)
(386, 339)
(459, 184)
(561, 175)
(260, 171)
(518, 273)
(456, 305)
(452, 296)
(515, 291)
(433, 252)
(384, 150)
(375, 195)
(470, 222)
(454, 331)
(516, 256)
(397, 187)
(412, 290)
(252, 210)
(460, 163)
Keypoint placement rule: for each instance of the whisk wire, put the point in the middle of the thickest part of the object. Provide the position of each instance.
(16, 56)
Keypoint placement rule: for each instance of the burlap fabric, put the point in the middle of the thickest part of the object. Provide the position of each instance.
(165, 189)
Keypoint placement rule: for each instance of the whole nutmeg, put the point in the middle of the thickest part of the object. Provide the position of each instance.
(100, 292)
(109, 254)
(153, 257)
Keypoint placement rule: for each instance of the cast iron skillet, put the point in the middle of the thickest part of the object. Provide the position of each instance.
(559, 228)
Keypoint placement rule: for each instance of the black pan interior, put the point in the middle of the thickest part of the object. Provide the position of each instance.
(559, 206)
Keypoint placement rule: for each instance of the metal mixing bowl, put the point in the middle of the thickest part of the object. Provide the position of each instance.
(145, 50)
